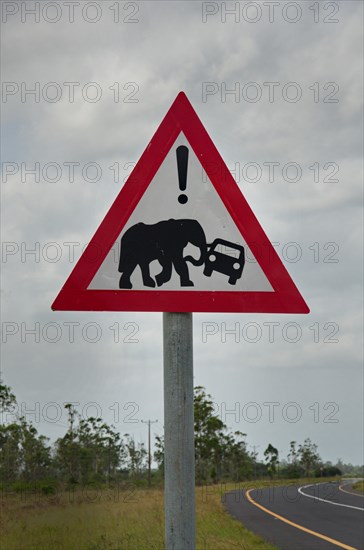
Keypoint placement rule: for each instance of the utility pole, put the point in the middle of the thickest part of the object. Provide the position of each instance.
(149, 422)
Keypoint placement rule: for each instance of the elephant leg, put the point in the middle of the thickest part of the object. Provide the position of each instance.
(125, 277)
(182, 270)
(166, 273)
(147, 279)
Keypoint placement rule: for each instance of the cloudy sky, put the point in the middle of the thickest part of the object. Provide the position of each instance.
(278, 88)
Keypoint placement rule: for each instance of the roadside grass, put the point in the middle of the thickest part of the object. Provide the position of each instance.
(359, 486)
(118, 519)
(84, 520)
(108, 519)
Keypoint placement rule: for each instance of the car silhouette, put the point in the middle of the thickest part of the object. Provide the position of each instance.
(225, 263)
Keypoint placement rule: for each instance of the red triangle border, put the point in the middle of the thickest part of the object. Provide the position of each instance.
(181, 117)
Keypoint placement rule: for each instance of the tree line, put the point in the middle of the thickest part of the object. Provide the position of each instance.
(91, 451)
(223, 455)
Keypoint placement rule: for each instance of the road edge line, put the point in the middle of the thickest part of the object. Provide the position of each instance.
(349, 492)
(324, 500)
(296, 525)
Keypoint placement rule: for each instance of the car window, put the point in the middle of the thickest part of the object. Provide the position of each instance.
(227, 250)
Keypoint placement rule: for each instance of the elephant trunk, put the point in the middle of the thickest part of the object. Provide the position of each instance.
(203, 251)
(200, 261)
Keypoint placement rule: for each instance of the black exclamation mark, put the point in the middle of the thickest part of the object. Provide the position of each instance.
(182, 163)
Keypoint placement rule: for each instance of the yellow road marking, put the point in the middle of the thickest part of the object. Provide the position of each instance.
(285, 520)
(349, 492)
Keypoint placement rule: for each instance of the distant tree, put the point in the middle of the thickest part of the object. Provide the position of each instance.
(308, 456)
(292, 469)
(7, 400)
(159, 452)
(24, 454)
(271, 459)
(10, 458)
(349, 469)
(239, 463)
(9, 437)
(34, 451)
(101, 449)
(135, 456)
(67, 449)
(209, 436)
(293, 453)
(91, 450)
(327, 470)
(218, 453)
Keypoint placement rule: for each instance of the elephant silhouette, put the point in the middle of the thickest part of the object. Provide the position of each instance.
(163, 241)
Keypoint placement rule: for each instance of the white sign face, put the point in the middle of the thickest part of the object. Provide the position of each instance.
(180, 237)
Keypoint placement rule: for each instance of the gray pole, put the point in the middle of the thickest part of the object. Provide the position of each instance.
(149, 422)
(179, 450)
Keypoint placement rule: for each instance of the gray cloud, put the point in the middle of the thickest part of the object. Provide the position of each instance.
(168, 50)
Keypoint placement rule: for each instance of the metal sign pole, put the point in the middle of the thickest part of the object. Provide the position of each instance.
(179, 449)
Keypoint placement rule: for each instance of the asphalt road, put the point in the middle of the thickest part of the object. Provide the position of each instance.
(316, 517)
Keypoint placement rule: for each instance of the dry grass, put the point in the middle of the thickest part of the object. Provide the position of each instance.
(114, 520)
(359, 486)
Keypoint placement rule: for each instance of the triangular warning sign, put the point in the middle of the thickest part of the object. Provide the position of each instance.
(180, 236)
